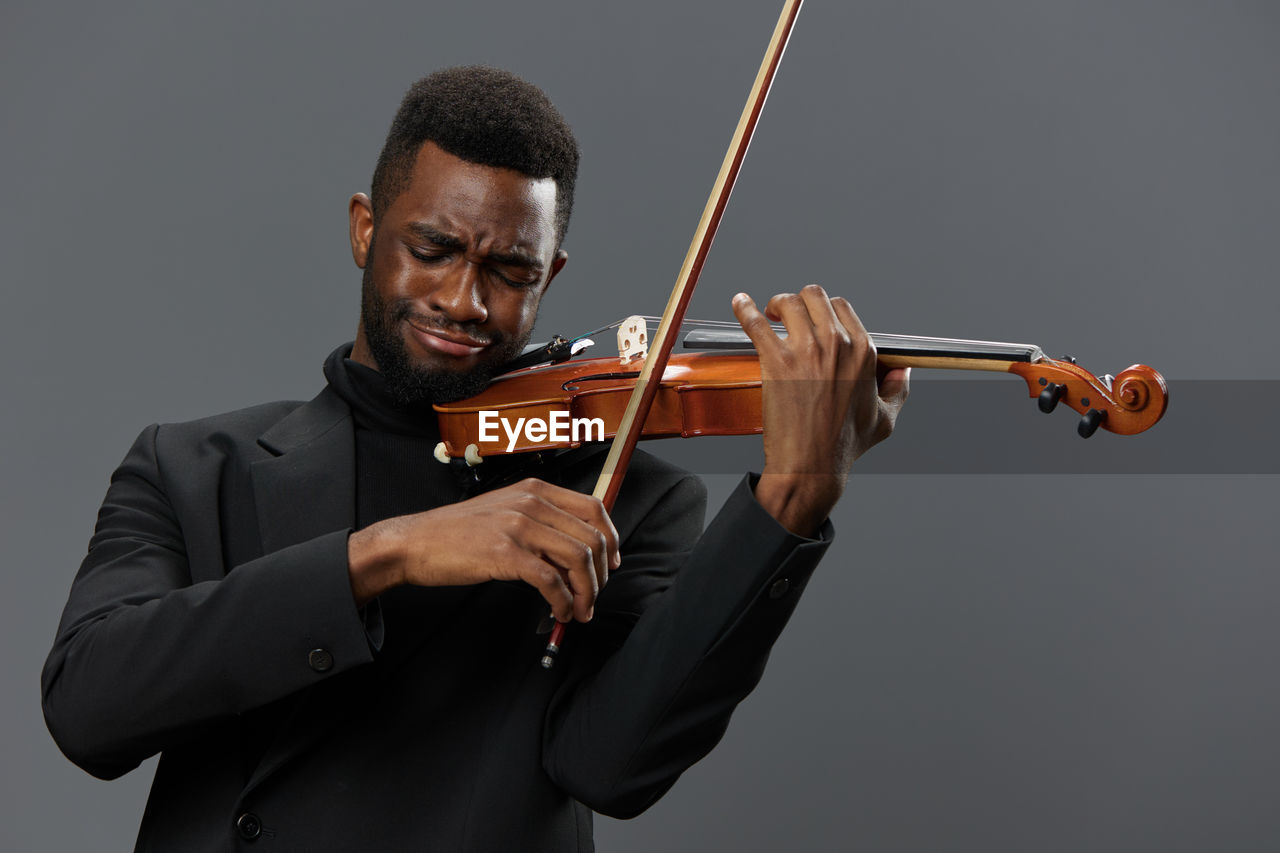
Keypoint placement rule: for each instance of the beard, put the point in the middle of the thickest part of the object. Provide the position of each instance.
(409, 383)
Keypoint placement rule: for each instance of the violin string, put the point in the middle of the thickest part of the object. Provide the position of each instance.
(694, 323)
(596, 332)
(720, 324)
(729, 324)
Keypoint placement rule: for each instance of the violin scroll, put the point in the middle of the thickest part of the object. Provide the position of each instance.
(1126, 404)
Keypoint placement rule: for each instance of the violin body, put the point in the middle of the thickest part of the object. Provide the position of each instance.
(701, 394)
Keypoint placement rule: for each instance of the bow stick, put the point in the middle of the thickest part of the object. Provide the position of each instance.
(624, 444)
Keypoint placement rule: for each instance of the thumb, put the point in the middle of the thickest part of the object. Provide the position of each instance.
(895, 385)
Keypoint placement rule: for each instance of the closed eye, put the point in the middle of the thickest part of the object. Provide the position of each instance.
(430, 257)
(511, 282)
(437, 256)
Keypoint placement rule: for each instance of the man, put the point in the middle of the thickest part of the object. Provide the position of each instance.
(332, 644)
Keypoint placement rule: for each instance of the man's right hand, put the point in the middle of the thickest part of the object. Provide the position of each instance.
(556, 540)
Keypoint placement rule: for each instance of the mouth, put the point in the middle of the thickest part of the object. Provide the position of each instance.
(458, 346)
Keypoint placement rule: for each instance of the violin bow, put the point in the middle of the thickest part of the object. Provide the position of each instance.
(624, 444)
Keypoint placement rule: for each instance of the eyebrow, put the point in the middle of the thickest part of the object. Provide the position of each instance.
(515, 257)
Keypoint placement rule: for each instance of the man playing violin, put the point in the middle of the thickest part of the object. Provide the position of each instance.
(332, 641)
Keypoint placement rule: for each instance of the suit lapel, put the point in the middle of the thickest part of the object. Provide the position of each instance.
(308, 487)
(303, 491)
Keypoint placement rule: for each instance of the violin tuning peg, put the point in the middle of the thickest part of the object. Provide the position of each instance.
(1090, 422)
(1050, 396)
(1070, 359)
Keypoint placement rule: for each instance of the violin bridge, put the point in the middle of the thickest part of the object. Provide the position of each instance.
(633, 339)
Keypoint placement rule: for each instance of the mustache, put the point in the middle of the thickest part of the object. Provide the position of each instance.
(430, 322)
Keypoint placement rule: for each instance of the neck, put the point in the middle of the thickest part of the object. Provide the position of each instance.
(360, 351)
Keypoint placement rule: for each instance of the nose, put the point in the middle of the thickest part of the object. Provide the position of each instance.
(458, 295)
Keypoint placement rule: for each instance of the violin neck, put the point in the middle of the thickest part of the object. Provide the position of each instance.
(899, 350)
(952, 353)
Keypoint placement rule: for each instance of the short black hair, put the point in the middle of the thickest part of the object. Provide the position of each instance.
(482, 115)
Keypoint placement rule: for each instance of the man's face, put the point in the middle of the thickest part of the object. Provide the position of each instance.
(453, 275)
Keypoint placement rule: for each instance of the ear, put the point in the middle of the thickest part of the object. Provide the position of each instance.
(557, 264)
(360, 216)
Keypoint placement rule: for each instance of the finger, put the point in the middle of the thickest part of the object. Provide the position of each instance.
(895, 386)
(822, 316)
(596, 541)
(754, 323)
(567, 558)
(574, 562)
(591, 512)
(848, 317)
(861, 340)
(546, 579)
(570, 544)
(790, 308)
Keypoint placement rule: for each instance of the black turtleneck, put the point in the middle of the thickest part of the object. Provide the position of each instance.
(396, 470)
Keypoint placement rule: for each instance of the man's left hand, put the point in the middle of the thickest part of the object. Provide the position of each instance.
(826, 401)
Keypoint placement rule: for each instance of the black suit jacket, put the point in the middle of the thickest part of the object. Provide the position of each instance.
(212, 621)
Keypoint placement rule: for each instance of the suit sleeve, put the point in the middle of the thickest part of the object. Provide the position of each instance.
(639, 711)
(143, 656)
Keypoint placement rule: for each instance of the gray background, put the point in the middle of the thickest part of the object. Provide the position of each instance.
(1032, 659)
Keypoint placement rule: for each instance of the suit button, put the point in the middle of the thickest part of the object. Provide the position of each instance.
(248, 826)
(321, 660)
(779, 588)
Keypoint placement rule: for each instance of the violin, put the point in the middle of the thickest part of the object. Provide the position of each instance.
(715, 390)
(719, 394)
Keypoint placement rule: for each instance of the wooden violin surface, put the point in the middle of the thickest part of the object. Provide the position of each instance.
(719, 393)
